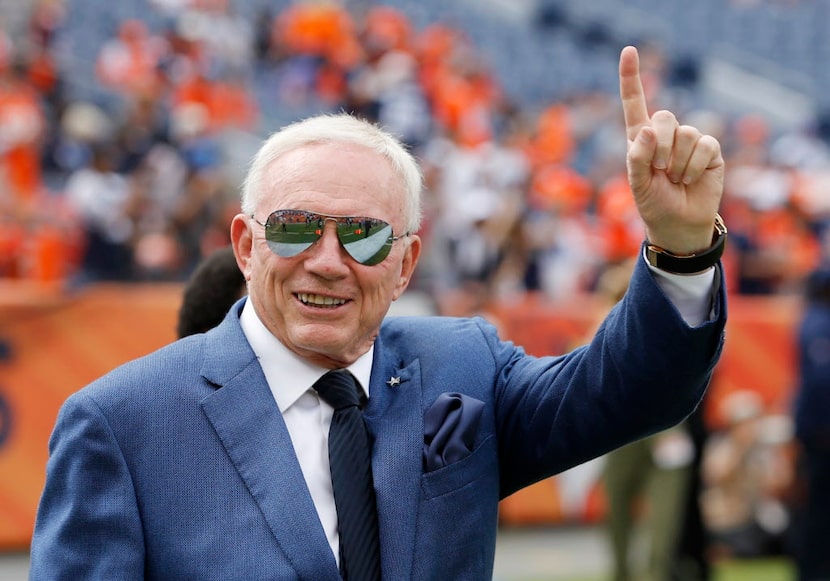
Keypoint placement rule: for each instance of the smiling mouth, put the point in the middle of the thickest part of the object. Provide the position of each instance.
(320, 301)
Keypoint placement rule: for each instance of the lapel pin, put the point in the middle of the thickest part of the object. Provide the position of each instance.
(394, 381)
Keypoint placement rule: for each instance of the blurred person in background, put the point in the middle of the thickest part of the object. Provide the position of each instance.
(645, 483)
(184, 194)
(106, 202)
(476, 193)
(23, 125)
(747, 477)
(210, 457)
(215, 285)
(129, 61)
(812, 430)
(692, 560)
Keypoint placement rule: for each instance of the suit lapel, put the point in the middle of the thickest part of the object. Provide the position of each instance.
(395, 420)
(246, 419)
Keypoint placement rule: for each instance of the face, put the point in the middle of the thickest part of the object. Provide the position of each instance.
(322, 304)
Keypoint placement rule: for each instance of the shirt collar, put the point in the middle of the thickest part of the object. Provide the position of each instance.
(288, 375)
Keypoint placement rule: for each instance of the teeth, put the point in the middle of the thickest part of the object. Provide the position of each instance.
(319, 300)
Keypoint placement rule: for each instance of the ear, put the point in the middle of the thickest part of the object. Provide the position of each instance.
(410, 260)
(242, 239)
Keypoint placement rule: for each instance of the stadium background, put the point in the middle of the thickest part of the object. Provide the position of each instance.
(755, 67)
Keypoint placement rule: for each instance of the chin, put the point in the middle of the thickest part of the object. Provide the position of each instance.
(328, 343)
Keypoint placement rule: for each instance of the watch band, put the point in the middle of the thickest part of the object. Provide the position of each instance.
(694, 263)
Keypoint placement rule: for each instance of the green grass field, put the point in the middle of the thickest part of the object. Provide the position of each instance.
(756, 570)
(749, 570)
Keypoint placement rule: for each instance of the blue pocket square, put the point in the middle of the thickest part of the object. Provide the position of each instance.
(450, 426)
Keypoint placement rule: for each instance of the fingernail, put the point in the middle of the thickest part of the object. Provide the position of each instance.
(687, 180)
(660, 164)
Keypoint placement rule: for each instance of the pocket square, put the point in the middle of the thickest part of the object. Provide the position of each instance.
(450, 426)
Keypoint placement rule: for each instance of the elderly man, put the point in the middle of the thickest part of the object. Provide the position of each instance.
(309, 436)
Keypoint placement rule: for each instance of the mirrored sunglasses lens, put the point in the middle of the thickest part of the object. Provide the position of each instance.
(290, 233)
(367, 241)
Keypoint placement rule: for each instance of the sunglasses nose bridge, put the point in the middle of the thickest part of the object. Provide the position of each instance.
(325, 228)
(329, 240)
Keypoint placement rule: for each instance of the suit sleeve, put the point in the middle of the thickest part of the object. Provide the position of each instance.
(97, 534)
(644, 371)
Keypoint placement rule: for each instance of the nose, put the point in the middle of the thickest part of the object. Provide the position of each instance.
(326, 257)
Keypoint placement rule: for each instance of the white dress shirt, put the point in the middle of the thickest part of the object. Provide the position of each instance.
(691, 294)
(308, 417)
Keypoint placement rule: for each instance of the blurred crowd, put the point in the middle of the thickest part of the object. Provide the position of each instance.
(683, 501)
(519, 198)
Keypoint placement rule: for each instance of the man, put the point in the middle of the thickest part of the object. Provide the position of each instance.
(811, 413)
(208, 459)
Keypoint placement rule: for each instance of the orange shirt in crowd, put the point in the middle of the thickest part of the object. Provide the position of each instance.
(387, 29)
(232, 105)
(464, 105)
(322, 29)
(554, 142)
(782, 228)
(129, 62)
(22, 123)
(620, 225)
(12, 237)
(434, 47)
(227, 103)
(560, 187)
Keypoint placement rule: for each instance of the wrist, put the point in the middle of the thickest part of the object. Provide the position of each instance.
(689, 263)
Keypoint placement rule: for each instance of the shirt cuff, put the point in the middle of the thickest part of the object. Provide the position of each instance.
(691, 294)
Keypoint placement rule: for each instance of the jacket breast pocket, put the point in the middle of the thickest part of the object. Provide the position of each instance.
(481, 463)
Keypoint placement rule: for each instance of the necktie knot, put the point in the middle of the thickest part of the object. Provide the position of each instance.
(338, 388)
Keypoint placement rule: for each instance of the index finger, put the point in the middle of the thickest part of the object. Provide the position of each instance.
(632, 95)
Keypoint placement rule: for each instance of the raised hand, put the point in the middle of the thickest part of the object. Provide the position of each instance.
(675, 171)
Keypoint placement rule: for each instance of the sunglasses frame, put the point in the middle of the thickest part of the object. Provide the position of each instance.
(312, 217)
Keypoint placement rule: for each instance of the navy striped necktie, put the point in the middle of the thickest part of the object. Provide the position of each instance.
(351, 476)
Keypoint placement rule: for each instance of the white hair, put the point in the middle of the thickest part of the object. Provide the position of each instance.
(338, 128)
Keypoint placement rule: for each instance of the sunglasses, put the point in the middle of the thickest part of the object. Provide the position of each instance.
(290, 232)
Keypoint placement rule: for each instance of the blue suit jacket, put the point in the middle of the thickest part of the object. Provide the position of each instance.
(179, 466)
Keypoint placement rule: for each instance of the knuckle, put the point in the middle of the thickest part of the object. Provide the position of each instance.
(710, 143)
(688, 131)
(664, 116)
